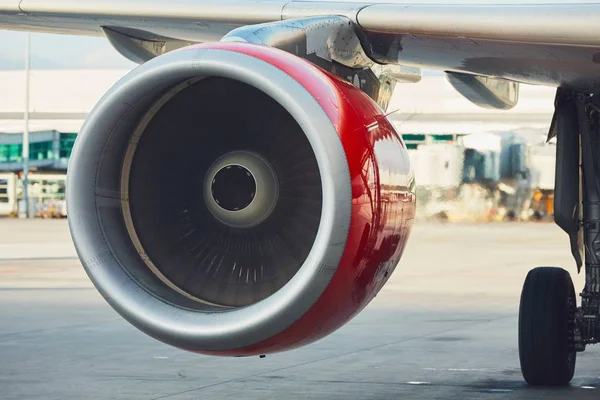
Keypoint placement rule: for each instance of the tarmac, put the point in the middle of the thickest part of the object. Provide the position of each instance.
(445, 327)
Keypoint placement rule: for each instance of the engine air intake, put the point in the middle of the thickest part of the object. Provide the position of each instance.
(231, 211)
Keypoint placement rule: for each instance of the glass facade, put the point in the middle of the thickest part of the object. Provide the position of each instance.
(46, 150)
(65, 146)
(10, 153)
(41, 151)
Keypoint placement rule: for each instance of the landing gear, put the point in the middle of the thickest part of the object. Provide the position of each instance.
(547, 327)
(551, 327)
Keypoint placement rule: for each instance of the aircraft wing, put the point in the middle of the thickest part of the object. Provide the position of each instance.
(550, 44)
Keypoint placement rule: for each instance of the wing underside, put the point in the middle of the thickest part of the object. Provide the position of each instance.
(550, 44)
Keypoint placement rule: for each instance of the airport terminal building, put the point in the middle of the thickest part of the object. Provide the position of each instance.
(427, 112)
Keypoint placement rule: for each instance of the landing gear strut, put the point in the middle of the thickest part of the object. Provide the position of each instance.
(551, 327)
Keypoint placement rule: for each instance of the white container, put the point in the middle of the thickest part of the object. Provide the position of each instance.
(543, 162)
(438, 164)
(483, 142)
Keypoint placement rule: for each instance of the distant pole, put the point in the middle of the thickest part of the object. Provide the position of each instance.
(26, 129)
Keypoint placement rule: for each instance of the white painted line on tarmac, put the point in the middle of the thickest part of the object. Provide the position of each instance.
(456, 369)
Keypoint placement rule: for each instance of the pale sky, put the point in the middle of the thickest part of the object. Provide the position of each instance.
(59, 52)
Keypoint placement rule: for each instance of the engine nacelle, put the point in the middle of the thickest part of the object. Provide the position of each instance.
(233, 199)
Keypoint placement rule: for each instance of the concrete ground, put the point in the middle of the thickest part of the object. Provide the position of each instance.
(445, 327)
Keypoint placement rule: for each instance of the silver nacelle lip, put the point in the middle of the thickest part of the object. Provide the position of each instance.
(97, 203)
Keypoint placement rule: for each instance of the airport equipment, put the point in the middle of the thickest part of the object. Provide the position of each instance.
(485, 175)
(46, 193)
(438, 164)
(542, 166)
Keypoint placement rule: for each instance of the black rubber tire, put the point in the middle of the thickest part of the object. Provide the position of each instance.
(546, 327)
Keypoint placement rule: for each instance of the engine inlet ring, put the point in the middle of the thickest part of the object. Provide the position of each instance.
(100, 218)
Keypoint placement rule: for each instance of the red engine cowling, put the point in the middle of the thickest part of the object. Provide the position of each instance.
(233, 199)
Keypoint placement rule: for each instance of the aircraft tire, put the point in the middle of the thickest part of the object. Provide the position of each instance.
(546, 327)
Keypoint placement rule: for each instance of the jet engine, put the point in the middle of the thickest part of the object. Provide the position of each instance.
(234, 199)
